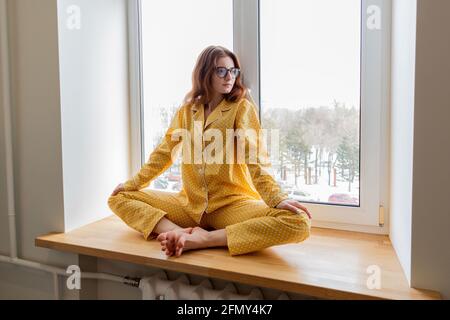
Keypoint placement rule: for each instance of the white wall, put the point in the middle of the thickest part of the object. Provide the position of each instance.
(94, 104)
(402, 126)
(431, 183)
(36, 146)
(420, 150)
(85, 124)
(4, 235)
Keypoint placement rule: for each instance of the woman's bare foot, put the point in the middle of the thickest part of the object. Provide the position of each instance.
(169, 239)
(199, 238)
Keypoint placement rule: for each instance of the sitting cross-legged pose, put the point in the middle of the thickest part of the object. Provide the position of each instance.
(223, 202)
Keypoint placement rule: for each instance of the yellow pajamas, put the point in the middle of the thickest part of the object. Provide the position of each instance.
(250, 224)
(240, 197)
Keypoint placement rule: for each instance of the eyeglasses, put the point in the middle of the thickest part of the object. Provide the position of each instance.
(222, 72)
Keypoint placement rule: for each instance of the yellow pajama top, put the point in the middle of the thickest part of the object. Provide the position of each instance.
(208, 185)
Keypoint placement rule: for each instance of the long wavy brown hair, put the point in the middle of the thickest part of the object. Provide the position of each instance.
(202, 89)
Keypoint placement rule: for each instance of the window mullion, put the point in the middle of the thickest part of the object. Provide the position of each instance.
(246, 43)
(135, 86)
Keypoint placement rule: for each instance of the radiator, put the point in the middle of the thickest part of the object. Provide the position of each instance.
(159, 287)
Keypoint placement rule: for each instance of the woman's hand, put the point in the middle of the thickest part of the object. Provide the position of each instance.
(118, 189)
(293, 205)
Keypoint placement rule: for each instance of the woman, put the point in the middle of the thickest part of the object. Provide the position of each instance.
(237, 204)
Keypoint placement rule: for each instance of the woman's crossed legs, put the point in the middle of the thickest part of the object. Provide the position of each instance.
(243, 226)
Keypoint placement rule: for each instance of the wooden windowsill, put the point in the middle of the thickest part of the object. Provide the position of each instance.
(330, 264)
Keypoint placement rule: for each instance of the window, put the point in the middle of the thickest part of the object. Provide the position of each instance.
(317, 70)
(173, 34)
(316, 106)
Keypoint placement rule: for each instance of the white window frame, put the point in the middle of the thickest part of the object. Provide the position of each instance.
(375, 84)
(135, 86)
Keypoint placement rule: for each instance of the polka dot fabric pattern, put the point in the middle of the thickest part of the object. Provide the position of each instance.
(238, 196)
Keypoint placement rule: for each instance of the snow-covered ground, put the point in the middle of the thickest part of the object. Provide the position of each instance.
(316, 192)
(321, 191)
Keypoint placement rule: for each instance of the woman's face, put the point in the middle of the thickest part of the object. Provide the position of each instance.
(224, 85)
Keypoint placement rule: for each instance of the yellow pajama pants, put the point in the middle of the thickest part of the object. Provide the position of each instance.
(250, 225)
